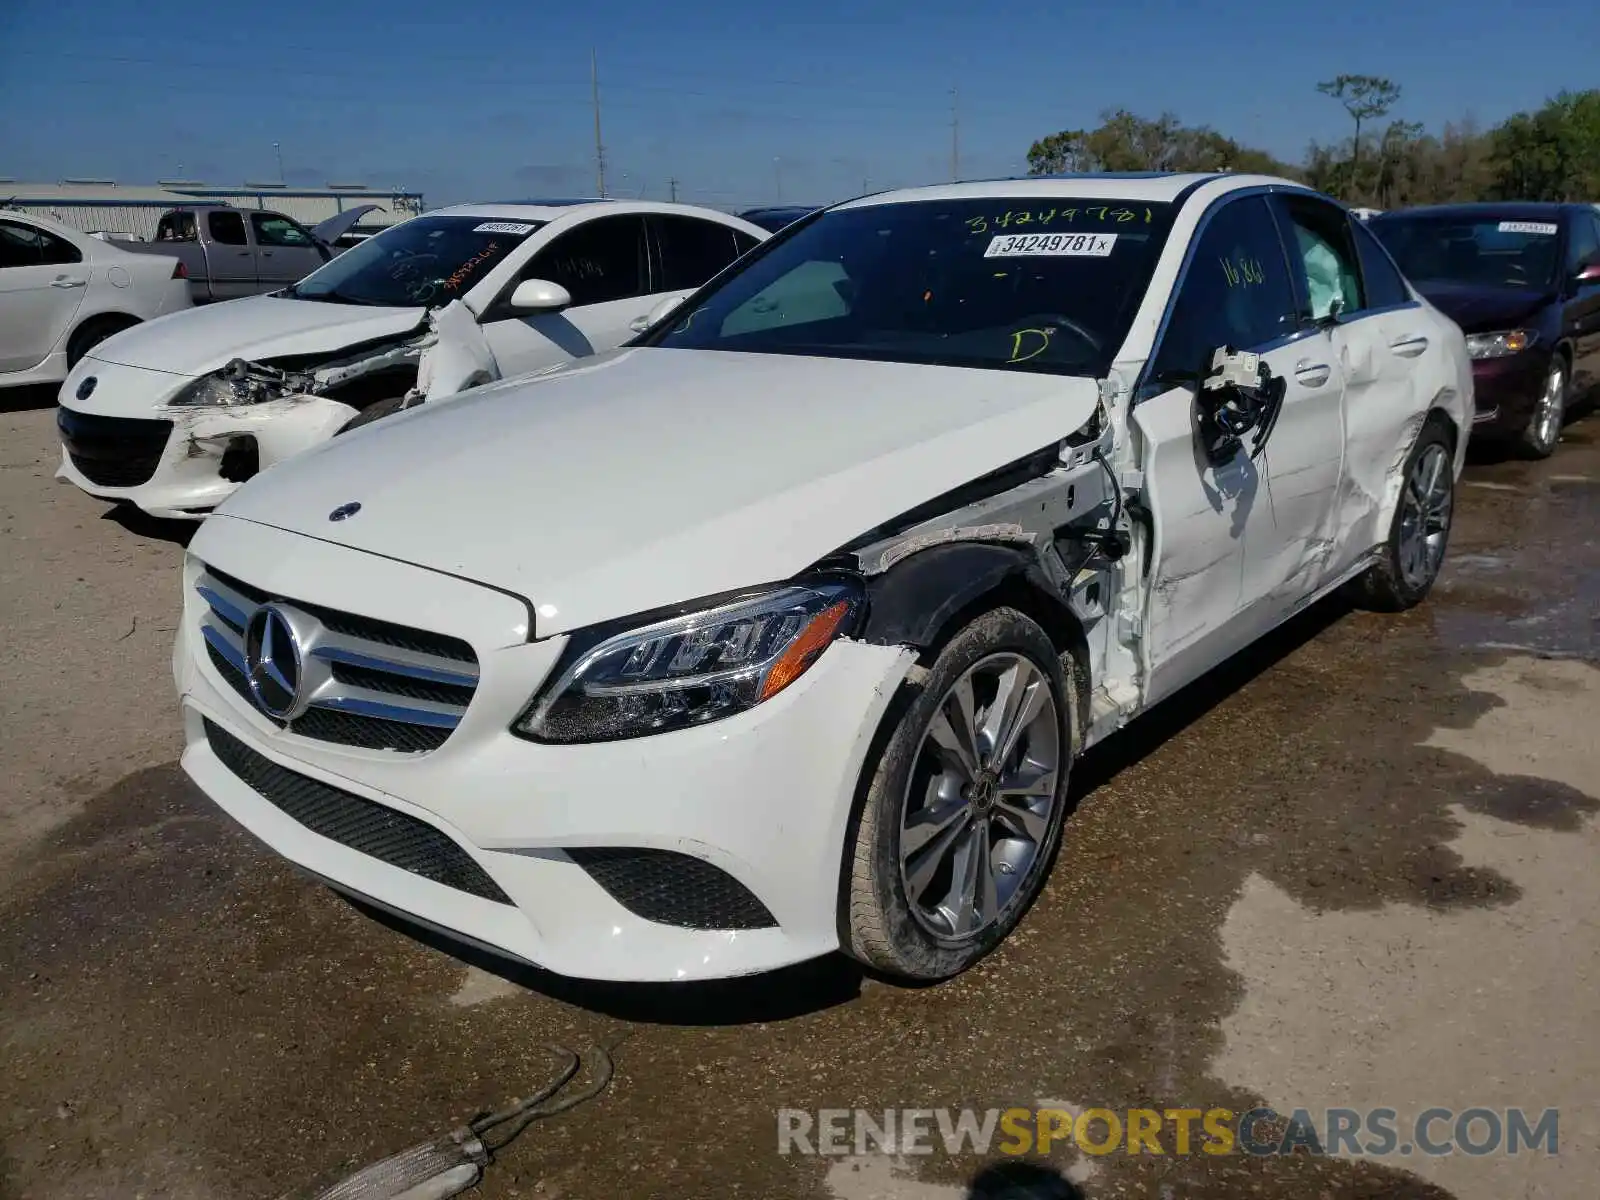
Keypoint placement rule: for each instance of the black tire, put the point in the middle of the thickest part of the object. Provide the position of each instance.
(371, 413)
(1388, 585)
(878, 925)
(92, 332)
(1540, 437)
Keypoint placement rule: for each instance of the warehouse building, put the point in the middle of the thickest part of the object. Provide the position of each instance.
(105, 206)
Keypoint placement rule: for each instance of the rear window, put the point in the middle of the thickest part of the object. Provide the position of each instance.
(1016, 284)
(423, 262)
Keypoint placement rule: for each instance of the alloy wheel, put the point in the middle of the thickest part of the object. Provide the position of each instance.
(1425, 508)
(981, 798)
(1552, 408)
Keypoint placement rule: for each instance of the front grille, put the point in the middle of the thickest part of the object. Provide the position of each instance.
(113, 451)
(372, 684)
(673, 889)
(373, 829)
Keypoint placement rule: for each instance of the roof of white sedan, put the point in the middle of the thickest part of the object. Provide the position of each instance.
(1155, 187)
(549, 210)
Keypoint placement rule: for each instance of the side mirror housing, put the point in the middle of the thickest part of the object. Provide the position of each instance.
(661, 312)
(539, 295)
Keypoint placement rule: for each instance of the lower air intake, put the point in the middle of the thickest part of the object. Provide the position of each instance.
(354, 821)
(673, 889)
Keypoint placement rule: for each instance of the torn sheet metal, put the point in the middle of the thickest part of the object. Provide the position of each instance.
(455, 354)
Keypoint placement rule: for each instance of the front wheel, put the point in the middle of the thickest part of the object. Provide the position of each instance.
(965, 804)
(1411, 557)
(371, 413)
(1543, 431)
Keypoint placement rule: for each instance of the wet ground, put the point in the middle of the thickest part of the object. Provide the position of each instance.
(1353, 868)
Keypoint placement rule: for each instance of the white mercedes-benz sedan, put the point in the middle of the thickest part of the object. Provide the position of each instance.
(779, 631)
(173, 416)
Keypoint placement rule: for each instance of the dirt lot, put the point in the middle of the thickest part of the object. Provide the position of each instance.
(1354, 869)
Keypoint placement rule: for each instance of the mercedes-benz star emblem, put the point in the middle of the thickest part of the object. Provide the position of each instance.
(86, 388)
(345, 510)
(272, 663)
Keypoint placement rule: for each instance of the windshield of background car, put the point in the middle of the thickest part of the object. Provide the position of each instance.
(1493, 251)
(423, 262)
(1018, 284)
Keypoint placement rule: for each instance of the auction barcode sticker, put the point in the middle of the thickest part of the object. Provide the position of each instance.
(1547, 228)
(516, 227)
(1072, 245)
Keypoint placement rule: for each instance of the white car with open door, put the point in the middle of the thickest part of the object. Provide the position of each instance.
(780, 631)
(174, 416)
(62, 292)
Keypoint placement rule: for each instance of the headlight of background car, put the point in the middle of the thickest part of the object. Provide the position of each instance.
(692, 669)
(1500, 345)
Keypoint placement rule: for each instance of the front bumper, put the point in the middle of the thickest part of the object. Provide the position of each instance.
(1506, 390)
(763, 797)
(197, 467)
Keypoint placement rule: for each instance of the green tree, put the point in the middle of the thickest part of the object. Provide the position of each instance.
(1058, 153)
(1365, 97)
(1552, 153)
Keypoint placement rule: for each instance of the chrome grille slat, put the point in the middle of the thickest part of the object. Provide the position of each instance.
(339, 647)
(402, 689)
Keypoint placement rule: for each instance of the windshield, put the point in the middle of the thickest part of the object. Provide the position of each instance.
(1034, 284)
(1494, 251)
(423, 262)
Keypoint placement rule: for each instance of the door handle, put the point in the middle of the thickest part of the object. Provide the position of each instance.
(63, 281)
(266, 254)
(640, 324)
(1312, 374)
(1409, 347)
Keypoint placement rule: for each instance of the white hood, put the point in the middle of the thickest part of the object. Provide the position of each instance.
(199, 340)
(653, 477)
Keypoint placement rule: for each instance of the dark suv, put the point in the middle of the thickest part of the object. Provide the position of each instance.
(1523, 282)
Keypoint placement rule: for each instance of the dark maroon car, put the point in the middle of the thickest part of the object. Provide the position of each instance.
(1523, 282)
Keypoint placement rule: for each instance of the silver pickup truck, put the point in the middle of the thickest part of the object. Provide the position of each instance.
(232, 252)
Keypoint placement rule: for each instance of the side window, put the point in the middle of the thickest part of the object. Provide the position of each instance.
(25, 246)
(19, 246)
(227, 228)
(1325, 257)
(1384, 285)
(692, 251)
(744, 242)
(598, 261)
(176, 227)
(1236, 291)
(56, 251)
(273, 230)
(1585, 245)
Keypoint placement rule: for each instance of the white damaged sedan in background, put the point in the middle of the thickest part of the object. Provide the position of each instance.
(174, 415)
(780, 631)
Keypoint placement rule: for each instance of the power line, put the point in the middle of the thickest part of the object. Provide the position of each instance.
(955, 134)
(599, 146)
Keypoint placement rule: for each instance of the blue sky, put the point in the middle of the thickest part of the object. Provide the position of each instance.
(742, 103)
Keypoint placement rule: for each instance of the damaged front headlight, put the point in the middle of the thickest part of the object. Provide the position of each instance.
(211, 391)
(695, 668)
(241, 382)
(1500, 345)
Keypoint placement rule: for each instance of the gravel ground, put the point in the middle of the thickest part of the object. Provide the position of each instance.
(1353, 868)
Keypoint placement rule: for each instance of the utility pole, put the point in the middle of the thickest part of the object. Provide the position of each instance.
(673, 185)
(599, 146)
(777, 179)
(278, 150)
(955, 134)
